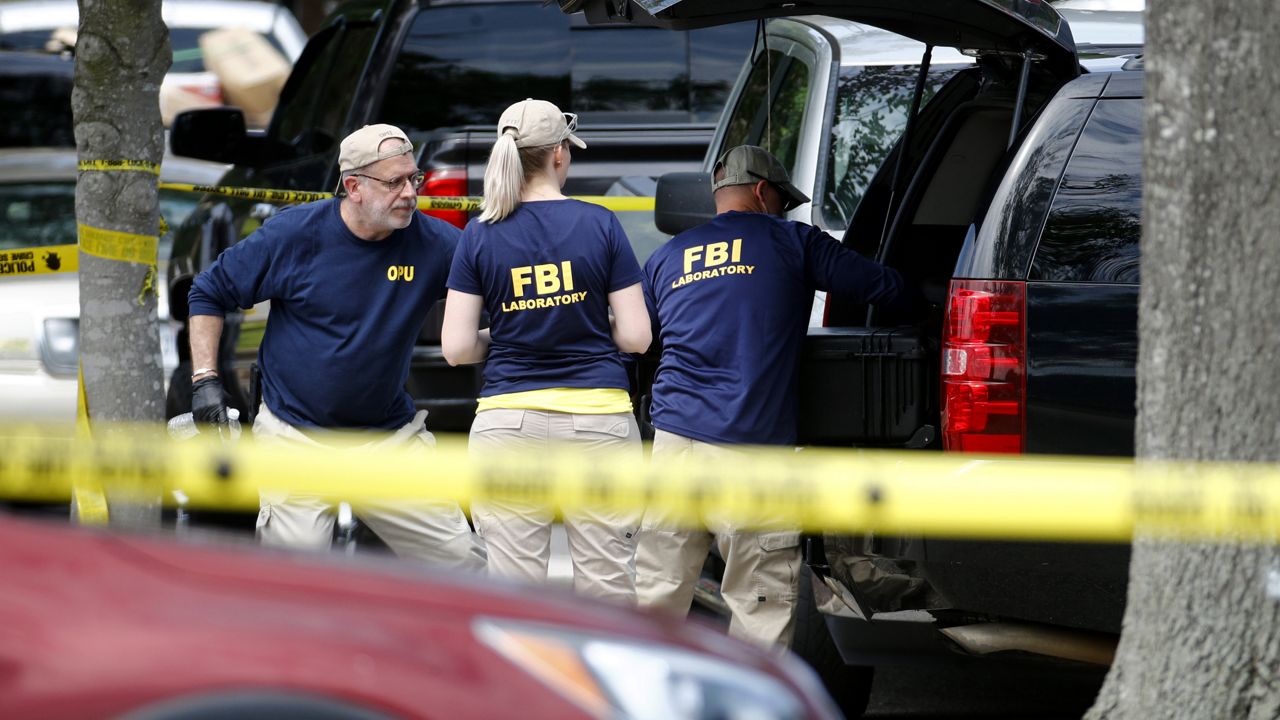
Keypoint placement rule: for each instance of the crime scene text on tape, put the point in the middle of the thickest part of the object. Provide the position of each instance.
(144, 166)
(465, 203)
(109, 244)
(39, 260)
(835, 491)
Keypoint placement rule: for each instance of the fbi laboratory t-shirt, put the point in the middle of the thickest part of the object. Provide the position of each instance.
(731, 300)
(545, 273)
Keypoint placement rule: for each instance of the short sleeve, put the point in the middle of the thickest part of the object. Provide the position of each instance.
(624, 269)
(650, 281)
(462, 272)
(443, 237)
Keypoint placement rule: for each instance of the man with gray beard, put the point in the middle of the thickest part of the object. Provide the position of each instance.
(350, 281)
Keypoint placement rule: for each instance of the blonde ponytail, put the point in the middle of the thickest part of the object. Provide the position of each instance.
(503, 180)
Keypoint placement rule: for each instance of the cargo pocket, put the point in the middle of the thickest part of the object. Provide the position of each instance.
(777, 574)
(616, 425)
(781, 540)
(499, 419)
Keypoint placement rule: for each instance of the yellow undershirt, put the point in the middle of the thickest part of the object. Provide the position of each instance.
(584, 401)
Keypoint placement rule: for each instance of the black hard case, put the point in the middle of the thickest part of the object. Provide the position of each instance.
(871, 387)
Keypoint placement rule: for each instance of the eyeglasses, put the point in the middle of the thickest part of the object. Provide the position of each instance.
(393, 185)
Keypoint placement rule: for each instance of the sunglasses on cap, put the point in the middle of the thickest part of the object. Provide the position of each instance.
(570, 124)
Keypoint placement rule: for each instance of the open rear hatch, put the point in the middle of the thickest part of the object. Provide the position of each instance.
(875, 385)
(1008, 26)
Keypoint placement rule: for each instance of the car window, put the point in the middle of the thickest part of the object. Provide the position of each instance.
(629, 74)
(174, 208)
(37, 214)
(458, 65)
(187, 56)
(618, 72)
(773, 125)
(312, 113)
(26, 39)
(462, 59)
(1095, 222)
(37, 109)
(715, 59)
(870, 114)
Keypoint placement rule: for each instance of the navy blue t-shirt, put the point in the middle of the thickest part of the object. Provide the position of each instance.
(344, 315)
(545, 273)
(731, 303)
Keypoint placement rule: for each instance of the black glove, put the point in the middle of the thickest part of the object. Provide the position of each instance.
(208, 403)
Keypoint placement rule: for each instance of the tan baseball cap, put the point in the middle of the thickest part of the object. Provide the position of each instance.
(748, 165)
(360, 148)
(535, 123)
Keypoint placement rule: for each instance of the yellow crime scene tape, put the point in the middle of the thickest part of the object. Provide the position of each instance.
(119, 166)
(466, 203)
(43, 260)
(126, 247)
(838, 491)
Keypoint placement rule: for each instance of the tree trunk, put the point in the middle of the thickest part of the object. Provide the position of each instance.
(1202, 633)
(122, 54)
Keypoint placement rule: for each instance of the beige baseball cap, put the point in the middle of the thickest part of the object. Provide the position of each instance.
(748, 165)
(360, 148)
(535, 123)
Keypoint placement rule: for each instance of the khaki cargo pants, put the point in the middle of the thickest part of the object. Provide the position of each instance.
(762, 569)
(433, 531)
(518, 536)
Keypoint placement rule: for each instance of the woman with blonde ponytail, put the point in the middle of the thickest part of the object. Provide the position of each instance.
(562, 289)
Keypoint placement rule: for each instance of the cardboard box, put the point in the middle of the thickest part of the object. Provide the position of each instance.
(251, 71)
(175, 99)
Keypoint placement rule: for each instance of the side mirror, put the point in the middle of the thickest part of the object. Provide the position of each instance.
(684, 200)
(216, 134)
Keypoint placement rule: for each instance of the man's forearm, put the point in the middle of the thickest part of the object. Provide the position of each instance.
(205, 332)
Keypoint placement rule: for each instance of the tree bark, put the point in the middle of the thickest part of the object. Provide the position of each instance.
(122, 54)
(1201, 634)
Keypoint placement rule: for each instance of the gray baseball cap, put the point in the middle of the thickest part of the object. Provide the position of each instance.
(748, 165)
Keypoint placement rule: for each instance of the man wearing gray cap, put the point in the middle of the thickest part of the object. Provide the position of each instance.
(350, 282)
(730, 300)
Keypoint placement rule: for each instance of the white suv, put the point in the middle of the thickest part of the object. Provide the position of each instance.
(40, 313)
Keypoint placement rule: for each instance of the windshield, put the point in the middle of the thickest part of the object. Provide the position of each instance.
(187, 55)
(37, 110)
(36, 215)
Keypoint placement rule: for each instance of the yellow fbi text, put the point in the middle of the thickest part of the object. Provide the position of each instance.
(548, 279)
(712, 257)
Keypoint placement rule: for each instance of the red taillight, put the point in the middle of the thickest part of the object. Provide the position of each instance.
(984, 359)
(443, 182)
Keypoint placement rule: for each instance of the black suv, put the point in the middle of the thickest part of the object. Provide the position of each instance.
(34, 88)
(646, 99)
(1013, 200)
